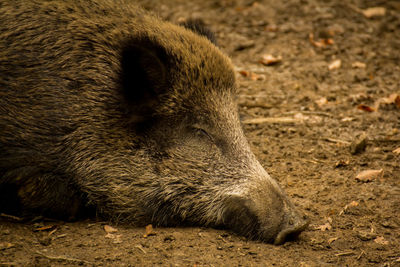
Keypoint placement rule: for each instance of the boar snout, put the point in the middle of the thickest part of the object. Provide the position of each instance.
(276, 223)
(293, 225)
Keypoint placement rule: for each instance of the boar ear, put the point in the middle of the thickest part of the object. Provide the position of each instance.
(144, 74)
(198, 26)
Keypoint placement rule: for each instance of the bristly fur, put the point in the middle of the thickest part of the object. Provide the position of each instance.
(104, 107)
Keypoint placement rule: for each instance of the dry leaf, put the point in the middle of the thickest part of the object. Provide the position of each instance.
(110, 229)
(352, 204)
(346, 119)
(320, 42)
(257, 77)
(392, 99)
(381, 240)
(366, 108)
(244, 73)
(321, 102)
(358, 64)
(269, 60)
(365, 236)
(396, 151)
(271, 28)
(324, 227)
(253, 76)
(342, 163)
(116, 238)
(374, 12)
(149, 231)
(335, 64)
(369, 175)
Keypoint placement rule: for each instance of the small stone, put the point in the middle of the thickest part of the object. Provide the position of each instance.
(359, 144)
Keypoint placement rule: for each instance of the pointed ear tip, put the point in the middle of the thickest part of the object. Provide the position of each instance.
(198, 26)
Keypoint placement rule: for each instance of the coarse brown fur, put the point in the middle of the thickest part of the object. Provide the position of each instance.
(104, 107)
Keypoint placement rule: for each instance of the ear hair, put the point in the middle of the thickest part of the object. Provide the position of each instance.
(198, 26)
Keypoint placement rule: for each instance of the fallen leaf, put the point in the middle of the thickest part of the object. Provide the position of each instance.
(351, 204)
(271, 28)
(392, 99)
(366, 108)
(253, 76)
(346, 119)
(396, 151)
(342, 163)
(116, 238)
(149, 231)
(257, 77)
(374, 12)
(359, 65)
(335, 64)
(108, 235)
(320, 42)
(269, 60)
(369, 175)
(381, 240)
(365, 236)
(321, 102)
(110, 229)
(324, 227)
(244, 73)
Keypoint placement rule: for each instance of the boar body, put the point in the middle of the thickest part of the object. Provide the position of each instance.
(106, 108)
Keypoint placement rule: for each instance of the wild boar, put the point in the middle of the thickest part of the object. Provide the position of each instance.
(105, 107)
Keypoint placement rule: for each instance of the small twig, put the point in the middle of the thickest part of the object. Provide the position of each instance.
(318, 113)
(7, 216)
(9, 263)
(141, 248)
(255, 105)
(271, 120)
(384, 140)
(347, 253)
(313, 161)
(337, 141)
(359, 256)
(63, 258)
(59, 236)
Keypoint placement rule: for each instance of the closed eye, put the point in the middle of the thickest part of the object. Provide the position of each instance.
(203, 133)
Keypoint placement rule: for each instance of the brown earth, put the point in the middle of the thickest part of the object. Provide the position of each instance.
(307, 117)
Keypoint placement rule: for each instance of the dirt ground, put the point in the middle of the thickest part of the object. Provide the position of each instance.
(313, 121)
